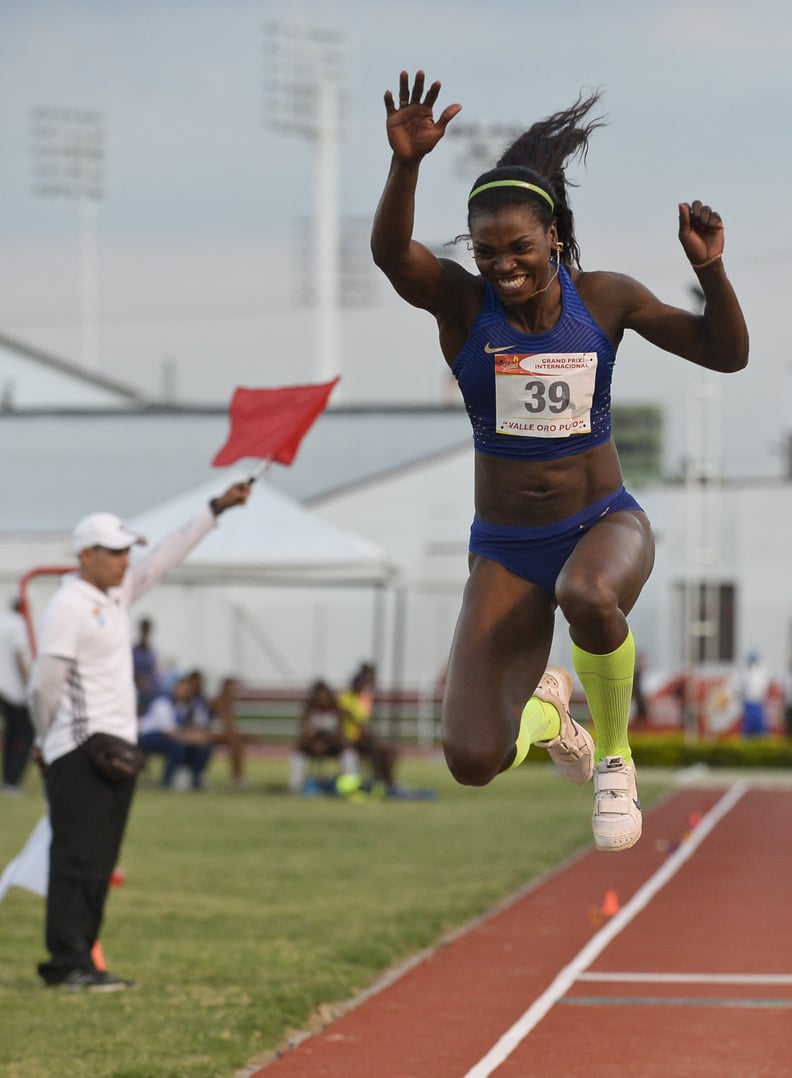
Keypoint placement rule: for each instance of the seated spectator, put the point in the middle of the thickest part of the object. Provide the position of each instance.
(168, 729)
(198, 713)
(357, 705)
(320, 736)
(222, 707)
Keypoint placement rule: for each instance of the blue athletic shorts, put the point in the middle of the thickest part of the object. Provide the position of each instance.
(538, 554)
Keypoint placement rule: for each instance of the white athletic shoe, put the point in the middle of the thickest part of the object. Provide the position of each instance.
(616, 822)
(572, 751)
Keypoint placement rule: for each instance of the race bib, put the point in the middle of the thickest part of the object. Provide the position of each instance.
(547, 395)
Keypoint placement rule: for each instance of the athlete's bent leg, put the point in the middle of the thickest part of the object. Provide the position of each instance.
(499, 652)
(596, 590)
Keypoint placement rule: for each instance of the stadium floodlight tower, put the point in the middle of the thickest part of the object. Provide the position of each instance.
(68, 152)
(303, 69)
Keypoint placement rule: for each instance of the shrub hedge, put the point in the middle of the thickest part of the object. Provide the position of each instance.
(674, 750)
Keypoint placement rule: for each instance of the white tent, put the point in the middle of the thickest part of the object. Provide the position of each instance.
(275, 593)
(272, 538)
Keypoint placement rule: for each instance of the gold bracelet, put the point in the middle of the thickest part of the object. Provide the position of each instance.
(703, 265)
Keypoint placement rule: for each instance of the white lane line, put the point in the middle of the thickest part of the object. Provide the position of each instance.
(688, 978)
(504, 1047)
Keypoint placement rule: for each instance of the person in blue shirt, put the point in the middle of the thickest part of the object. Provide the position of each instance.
(145, 665)
(177, 726)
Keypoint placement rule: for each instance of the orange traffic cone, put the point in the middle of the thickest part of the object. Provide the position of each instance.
(610, 904)
(97, 954)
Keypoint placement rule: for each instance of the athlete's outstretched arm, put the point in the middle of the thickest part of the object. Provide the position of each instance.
(416, 274)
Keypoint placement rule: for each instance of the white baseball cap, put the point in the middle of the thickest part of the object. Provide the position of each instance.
(104, 529)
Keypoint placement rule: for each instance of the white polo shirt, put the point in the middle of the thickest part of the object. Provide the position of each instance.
(160, 717)
(89, 628)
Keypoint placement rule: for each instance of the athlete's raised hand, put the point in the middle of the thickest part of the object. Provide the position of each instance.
(412, 129)
(700, 233)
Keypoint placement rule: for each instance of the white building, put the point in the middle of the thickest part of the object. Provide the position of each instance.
(401, 479)
(31, 378)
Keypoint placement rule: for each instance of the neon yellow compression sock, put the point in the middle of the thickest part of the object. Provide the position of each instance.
(539, 721)
(607, 682)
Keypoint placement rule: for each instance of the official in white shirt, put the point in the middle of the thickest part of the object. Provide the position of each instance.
(82, 689)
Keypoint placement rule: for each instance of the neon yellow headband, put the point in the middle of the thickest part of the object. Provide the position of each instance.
(513, 183)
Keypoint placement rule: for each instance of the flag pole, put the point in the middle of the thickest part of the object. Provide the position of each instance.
(260, 469)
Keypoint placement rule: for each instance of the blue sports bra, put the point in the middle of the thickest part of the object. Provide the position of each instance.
(537, 397)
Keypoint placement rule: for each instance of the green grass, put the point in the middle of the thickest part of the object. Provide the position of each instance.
(245, 910)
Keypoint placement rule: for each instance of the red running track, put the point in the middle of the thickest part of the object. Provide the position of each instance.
(690, 978)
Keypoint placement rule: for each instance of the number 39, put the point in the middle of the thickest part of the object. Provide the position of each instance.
(551, 397)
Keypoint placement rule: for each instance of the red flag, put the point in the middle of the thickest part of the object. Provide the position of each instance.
(269, 424)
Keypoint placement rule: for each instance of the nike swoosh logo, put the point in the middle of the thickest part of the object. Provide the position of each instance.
(504, 348)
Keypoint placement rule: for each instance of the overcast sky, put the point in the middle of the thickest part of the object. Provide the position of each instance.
(201, 277)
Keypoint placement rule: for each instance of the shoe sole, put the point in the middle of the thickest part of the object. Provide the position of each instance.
(562, 676)
(631, 841)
